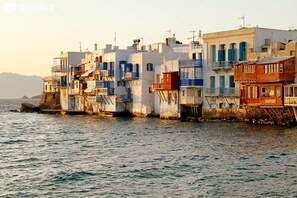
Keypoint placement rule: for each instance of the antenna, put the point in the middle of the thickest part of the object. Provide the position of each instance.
(79, 46)
(115, 39)
(141, 40)
(193, 35)
(169, 32)
(243, 20)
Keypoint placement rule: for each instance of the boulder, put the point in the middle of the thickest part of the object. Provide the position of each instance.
(28, 107)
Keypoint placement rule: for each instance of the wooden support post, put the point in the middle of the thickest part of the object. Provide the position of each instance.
(295, 113)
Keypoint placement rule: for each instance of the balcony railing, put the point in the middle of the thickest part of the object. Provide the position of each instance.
(106, 91)
(190, 63)
(59, 68)
(222, 65)
(221, 92)
(190, 100)
(291, 101)
(125, 98)
(191, 82)
(94, 99)
(130, 76)
(107, 72)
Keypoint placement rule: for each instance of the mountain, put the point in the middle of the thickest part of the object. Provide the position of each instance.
(16, 85)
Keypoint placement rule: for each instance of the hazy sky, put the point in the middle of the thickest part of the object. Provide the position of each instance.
(35, 31)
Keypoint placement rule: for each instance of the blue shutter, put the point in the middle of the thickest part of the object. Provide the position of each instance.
(231, 82)
(105, 66)
(230, 55)
(242, 51)
(220, 54)
(213, 53)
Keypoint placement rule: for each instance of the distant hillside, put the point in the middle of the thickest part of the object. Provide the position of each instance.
(16, 85)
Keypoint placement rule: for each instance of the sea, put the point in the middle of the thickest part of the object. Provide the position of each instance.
(89, 156)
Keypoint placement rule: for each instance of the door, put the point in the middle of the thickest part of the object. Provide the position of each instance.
(222, 85)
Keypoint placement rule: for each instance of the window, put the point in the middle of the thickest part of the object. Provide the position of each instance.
(278, 91)
(281, 68)
(212, 82)
(183, 92)
(199, 93)
(149, 67)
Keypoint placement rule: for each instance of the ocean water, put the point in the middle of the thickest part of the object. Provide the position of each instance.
(88, 156)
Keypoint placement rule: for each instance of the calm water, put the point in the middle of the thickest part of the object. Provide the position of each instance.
(88, 156)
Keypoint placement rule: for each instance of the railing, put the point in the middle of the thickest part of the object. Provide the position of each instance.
(157, 86)
(190, 63)
(130, 75)
(221, 92)
(94, 99)
(291, 101)
(222, 65)
(73, 91)
(59, 68)
(190, 100)
(191, 82)
(125, 98)
(49, 78)
(106, 91)
(107, 72)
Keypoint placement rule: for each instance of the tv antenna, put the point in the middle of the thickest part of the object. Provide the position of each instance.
(243, 20)
(193, 37)
(79, 46)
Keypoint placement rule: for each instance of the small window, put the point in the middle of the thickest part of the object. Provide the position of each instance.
(150, 67)
(183, 92)
(281, 68)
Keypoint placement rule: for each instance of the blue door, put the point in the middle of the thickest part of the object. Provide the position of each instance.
(222, 85)
(242, 51)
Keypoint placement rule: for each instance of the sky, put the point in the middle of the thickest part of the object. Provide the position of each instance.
(33, 32)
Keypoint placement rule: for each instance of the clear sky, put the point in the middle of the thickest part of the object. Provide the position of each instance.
(35, 31)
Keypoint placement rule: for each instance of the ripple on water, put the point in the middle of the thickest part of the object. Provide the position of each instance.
(76, 156)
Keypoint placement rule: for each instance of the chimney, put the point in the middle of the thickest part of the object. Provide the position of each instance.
(95, 46)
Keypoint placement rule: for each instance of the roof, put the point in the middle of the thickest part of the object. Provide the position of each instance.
(273, 59)
(88, 73)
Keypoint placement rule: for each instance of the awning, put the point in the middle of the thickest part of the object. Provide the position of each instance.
(88, 90)
(86, 74)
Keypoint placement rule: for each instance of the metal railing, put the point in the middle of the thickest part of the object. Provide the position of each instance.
(191, 82)
(222, 64)
(59, 68)
(190, 63)
(106, 91)
(221, 92)
(130, 75)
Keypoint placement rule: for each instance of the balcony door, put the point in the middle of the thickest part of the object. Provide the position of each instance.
(222, 85)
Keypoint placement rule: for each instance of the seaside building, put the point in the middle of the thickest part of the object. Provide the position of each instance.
(225, 49)
(268, 82)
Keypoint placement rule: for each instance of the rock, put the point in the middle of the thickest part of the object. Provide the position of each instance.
(13, 110)
(28, 107)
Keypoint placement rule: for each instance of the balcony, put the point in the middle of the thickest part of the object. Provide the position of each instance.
(94, 99)
(190, 100)
(107, 73)
(73, 91)
(106, 91)
(191, 82)
(125, 98)
(290, 101)
(221, 92)
(190, 63)
(222, 65)
(59, 68)
(130, 76)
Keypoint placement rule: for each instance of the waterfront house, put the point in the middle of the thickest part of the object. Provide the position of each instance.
(224, 50)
